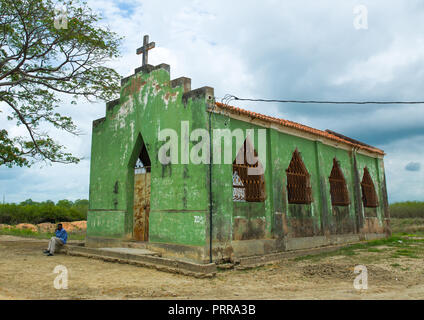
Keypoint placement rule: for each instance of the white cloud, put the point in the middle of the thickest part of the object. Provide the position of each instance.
(403, 184)
(386, 65)
(273, 49)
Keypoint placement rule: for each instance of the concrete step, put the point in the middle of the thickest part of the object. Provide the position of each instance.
(144, 258)
(133, 251)
(134, 244)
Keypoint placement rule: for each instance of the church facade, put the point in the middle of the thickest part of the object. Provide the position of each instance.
(200, 180)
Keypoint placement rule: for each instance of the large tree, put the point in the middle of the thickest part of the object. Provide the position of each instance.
(41, 60)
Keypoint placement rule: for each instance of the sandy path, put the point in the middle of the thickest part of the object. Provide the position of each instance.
(25, 273)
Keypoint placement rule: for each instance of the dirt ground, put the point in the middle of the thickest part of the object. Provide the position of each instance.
(25, 273)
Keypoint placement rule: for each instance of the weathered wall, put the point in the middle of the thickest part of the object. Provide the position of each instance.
(276, 218)
(373, 217)
(179, 197)
(234, 221)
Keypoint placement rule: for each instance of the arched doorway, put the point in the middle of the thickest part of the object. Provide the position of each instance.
(142, 173)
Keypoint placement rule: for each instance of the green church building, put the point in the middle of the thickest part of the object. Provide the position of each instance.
(199, 180)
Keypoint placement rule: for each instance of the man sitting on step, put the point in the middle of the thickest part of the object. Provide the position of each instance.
(58, 241)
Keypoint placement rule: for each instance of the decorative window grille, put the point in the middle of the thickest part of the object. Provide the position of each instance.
(250, 188)
(239, 191)
(369, 196)
(338, 188)
(298, 181)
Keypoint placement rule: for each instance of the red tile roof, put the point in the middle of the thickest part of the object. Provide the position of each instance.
(297, 126)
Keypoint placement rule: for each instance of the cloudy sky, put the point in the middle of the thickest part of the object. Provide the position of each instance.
(269, 49)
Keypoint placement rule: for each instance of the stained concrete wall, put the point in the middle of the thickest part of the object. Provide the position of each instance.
(179, 196)
(180, 193)
(274, 222)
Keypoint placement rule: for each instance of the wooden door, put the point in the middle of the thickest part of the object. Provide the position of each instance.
(141, 206)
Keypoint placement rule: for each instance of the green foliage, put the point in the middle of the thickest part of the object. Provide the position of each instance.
(38, 235)
(40, 63)
(409, 209)
(22, 233)
(406, 253)
(29, 211)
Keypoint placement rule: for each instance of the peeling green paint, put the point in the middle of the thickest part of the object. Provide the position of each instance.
(147, 104)
(179, 204)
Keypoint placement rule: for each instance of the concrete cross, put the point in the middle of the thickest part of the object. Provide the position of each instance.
(145, 49)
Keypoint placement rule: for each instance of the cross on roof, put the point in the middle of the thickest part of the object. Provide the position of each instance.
(145, 49)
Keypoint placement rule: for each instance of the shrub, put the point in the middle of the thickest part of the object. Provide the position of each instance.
(409, 209)
(40, 212)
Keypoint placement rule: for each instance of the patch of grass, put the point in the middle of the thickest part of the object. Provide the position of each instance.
(395, 265)
(38, 235)
(315, 257)
(397, 241)
(348, 252)
(406, 253)
(76, 236)
(25, 233)
(409, 235)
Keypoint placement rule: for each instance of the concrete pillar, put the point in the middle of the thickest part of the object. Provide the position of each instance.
(357, 193)
(323, 203)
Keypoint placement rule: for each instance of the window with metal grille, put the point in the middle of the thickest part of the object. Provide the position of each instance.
(338, 188)
(298, 181)
(369, 196)
(247, 187)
